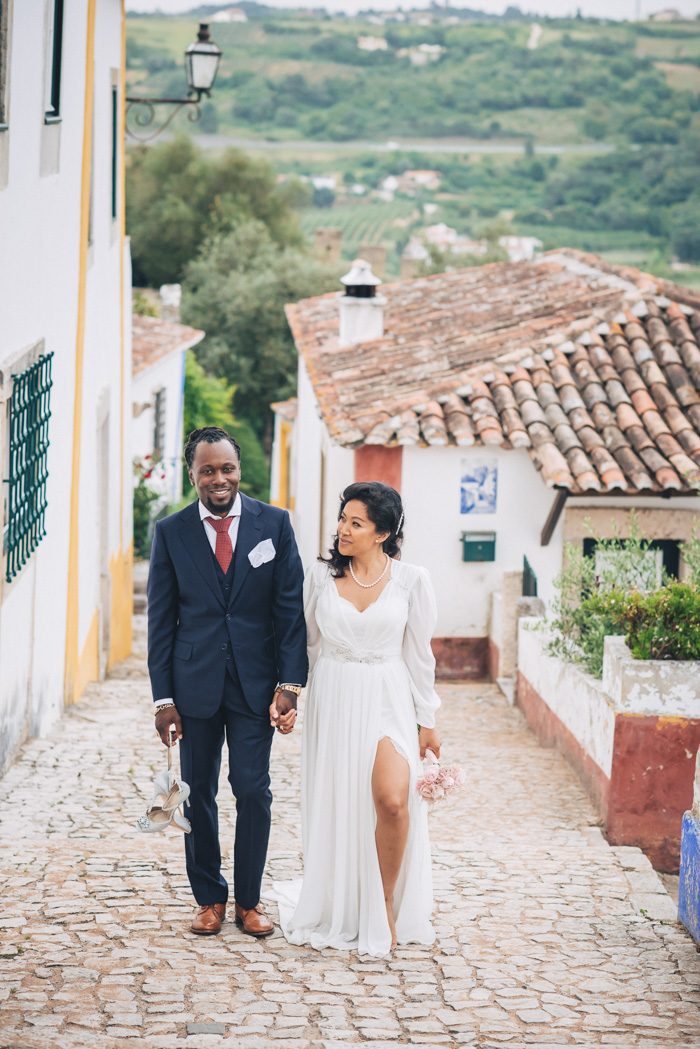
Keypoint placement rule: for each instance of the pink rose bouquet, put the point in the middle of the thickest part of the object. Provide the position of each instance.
(439, 781)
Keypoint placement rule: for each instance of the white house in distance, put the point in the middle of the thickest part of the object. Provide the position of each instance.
(229, 14)
(509, 403)
(372, 43)
(65, 358)
(157, 393)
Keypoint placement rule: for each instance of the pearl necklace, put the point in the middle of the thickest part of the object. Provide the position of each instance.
(368, 586)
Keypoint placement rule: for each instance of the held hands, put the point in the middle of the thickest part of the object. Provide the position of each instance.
(283, 711)
(429, 740)
(164, 719)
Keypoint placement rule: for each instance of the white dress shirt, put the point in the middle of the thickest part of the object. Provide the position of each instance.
(210, 531)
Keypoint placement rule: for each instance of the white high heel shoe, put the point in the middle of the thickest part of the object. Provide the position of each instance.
(165, 809)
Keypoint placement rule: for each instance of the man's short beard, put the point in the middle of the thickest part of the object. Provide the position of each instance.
(219, 511)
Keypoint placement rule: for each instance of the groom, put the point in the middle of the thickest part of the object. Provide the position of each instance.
(227, 659)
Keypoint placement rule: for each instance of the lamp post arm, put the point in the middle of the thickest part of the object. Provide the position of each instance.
(141, 114)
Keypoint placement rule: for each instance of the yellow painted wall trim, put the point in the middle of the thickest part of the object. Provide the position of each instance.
(121, 571)
(285, 430)
(89, 662)
(73, 661)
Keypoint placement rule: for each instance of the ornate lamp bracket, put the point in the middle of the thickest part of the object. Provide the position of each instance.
(140, 119)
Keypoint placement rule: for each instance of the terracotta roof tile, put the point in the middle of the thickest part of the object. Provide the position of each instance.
(153, 340)
(602, 415)
(457, 420)
(690, 442)
(408, 431)
(594, 368)
(639, 438)
(287, 409)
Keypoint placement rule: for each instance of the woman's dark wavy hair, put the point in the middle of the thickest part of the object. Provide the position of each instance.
(385, 511)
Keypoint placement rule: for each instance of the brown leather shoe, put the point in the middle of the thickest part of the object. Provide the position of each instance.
(254, 921)
(208, 919)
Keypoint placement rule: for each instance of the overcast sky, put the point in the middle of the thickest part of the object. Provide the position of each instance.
(595, 8)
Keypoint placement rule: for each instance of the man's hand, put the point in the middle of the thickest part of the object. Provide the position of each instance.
(283, 710)
(164, 719)
(429, 740)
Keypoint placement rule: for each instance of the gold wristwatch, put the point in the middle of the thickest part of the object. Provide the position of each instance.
(296, 689)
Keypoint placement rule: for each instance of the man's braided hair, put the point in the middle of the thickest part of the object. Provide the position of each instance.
(209, 434)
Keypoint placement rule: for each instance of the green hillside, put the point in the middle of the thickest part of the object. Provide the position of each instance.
(576, 132)
(306, 77)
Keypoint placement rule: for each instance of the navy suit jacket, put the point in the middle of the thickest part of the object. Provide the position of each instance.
(193, 630)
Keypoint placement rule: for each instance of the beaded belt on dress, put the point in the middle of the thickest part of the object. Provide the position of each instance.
(347, 655)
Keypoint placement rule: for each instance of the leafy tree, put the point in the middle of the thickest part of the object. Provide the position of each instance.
(209, 402)
(177, 196)
(236, 289)
(323, 197)
(685, 234)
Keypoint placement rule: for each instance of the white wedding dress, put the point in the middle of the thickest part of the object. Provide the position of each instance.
(372, 676)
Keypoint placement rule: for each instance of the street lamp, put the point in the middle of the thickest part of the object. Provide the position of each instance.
(202, 62)
(202, 59)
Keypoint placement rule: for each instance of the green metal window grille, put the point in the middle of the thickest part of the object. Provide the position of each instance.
(29, 414)
(529, 580)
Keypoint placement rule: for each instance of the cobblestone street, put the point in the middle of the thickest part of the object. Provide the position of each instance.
(546, 935)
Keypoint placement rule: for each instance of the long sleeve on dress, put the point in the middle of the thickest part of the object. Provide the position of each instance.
(312, 584)
(417, 653)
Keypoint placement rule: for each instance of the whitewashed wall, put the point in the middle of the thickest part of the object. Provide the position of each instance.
(167, 374)
(434, 523)
(313, 456)
(591, 718)
(102, 368)
(40, 223)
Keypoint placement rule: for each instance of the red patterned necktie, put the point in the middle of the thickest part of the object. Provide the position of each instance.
(224, 549)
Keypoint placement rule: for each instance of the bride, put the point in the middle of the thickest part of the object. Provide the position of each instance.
(367, 875)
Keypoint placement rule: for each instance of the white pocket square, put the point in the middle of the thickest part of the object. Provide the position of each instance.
(262, 553)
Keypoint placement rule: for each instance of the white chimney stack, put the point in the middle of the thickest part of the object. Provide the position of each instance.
(170, 297)
(361, 309)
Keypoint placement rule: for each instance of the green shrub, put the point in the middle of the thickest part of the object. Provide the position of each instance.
(209, 402)
(594, 593)
(691, 556)
(598, 616)
(665, 624)
(143, 499)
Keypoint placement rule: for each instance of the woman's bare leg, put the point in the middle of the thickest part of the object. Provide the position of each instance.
(390, 780)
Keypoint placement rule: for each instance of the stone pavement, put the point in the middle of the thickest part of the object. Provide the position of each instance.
(546, 935)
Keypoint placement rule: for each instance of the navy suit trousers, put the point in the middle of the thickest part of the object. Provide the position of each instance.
(249, 739)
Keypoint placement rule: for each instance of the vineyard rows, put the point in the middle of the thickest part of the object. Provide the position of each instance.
(364, 222)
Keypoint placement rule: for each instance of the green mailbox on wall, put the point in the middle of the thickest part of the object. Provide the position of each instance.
(478, 546)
